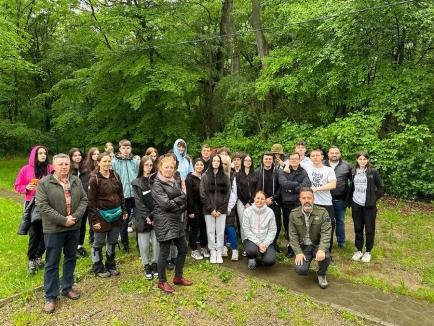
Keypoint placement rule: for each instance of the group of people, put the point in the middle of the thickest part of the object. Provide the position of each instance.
(214, 201)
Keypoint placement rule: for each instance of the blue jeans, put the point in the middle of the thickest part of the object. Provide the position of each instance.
(340, 207)
(54, 244)
(232, 235)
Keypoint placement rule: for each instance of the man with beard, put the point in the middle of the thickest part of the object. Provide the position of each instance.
(309, 235)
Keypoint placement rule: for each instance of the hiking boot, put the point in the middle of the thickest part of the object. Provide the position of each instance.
(182, 281)
(219, 258)
(196, 255)
(366, 257)
(357, 256)
(213, 257)
(252, 263)
(166, 287)
(322, 281)
(49, 306)
(39, 263)
(71, 294)
(148, 272)
(31, 266)
(225, 251)
(81, 251)
(103, 274)
(170, 264)
(204, 252)
(234, 255)
(154, 269)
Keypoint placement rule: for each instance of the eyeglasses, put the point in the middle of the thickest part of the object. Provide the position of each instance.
(147, 164)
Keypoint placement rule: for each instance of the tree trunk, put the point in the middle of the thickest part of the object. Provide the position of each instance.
(228, 32)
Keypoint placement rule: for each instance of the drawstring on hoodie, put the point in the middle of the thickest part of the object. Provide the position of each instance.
(258, 220)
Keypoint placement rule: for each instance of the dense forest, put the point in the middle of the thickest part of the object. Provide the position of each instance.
(240, 73)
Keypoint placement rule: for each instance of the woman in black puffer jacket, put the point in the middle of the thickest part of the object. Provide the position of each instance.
(170, 203)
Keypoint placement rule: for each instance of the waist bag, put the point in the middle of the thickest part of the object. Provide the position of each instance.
(111, 215)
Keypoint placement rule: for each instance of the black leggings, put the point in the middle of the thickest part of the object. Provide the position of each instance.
(197, 227)
(181, 245)
(36, 241)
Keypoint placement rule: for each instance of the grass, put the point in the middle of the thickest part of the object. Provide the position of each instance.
(9, 169)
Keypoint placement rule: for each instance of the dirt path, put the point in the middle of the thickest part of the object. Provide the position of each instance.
(11, 195)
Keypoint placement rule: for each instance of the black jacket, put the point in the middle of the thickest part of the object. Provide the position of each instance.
(194, 203)
(247, 186)
(84, 176)
(291, 183)
(213, 201)
(276, 185)
(170, 202)
(374, 189)
(343, 177)
(144, 202)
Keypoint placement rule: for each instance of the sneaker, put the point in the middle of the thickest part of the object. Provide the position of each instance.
(31, 266)
(39, 263)
(366, 257)
(219, 258)
(357, 255)
(204, 252)
(154, 269)
(244, 254)
(196, 255)
(170, 264)
(81, 251)
(252, 263)
(322, 281)
(148, 272)
(103, 274)
(114, 271)
(213, 257)
(234, 255)
(225, 251)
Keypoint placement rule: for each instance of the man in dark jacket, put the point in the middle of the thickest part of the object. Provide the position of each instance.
(339, 195)
(309, 233)
(269, 183)
(62, 202)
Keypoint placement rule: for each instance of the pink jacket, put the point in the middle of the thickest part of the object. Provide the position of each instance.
(27, 173)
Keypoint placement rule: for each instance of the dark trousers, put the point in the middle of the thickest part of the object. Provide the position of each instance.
(278, 216)
(364, 220)
(83, 228)
(310, 253)
(287, 208)
(252, 251)
(55, 243)
(330, 210)
(181, 245)
(340, 207)
(91, 233)
(36, 241)
(197, 231)
(129, 205)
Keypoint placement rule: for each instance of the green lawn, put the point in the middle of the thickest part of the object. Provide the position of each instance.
(9, 169)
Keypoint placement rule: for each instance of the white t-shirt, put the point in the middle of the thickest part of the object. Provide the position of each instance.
(319, 177)
(306, 163)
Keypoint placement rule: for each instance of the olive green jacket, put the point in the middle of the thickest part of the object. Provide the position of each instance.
(319, 231)
(51, 203)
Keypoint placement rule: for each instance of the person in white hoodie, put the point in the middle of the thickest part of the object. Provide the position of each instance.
(260, 228)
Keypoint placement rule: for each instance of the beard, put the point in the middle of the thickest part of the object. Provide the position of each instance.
(307, 208)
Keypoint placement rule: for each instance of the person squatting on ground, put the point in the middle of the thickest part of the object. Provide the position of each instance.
(309, 235)
(26, 183)
(259, 225)
(214, 193)
(170, 203)
(366, 189)
(127, 168)
(144, 212)
(62, 202)
(106, 210)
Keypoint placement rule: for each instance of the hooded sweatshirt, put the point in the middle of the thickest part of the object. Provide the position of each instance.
(27, 173)
(259, 225)
(184, 164)
(127, 169)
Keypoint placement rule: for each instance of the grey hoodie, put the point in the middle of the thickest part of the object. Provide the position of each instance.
(259, 224)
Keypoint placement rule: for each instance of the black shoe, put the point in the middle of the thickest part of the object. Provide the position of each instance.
(114, 271)
(39, 263)
(148, 272)
(126, 249)
(170, 264)
(82, 252)
(154, 269)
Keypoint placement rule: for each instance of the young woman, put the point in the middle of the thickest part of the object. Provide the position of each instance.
(78, 168)
(196, 220)
(144, 216)
(215, 192)
(26, 184)
(170, 203)
(108, 147)
(106, 211)
(260, 229)
(92, 159)
(366, 189)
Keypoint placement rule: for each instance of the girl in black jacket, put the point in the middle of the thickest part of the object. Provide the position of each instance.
(144, 206)
(366, 189)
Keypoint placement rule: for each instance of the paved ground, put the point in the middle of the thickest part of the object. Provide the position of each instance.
(388, 308)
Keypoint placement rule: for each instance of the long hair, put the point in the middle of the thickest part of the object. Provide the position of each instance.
(91, 164)
(243, 168)
(41, 168)
(369, 166)
(71, 152)
(217, 182)
(142, 164)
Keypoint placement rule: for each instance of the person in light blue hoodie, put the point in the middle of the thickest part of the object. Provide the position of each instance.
(184, 162)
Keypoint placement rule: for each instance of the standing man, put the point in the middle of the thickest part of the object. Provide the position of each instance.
(206, 154)
(127, 168)
(62, 202)
(323, 180)
(300, 148)
(309, 234)
(268, 174)
(339, 195)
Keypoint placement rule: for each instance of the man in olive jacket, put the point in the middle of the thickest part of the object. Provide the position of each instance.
(62, 202)
(309, 236)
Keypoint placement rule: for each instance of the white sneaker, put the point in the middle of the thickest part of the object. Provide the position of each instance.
(357, 255)
(204, 252)
(130, 229)
(225, 251)
(196, 255)
(235, 255)
(219, 258)
(366, 257)
(213, 257)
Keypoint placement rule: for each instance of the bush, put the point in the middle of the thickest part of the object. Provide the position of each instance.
(18, 138)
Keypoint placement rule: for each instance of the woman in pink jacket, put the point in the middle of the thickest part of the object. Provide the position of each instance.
(26, 183)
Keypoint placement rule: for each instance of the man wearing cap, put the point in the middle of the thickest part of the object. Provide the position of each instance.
(278, 156)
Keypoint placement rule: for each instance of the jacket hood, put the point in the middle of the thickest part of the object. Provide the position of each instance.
(33, 153)
(178, 155)
(258, 210)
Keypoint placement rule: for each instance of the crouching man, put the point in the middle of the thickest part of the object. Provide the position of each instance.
(309, 236)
